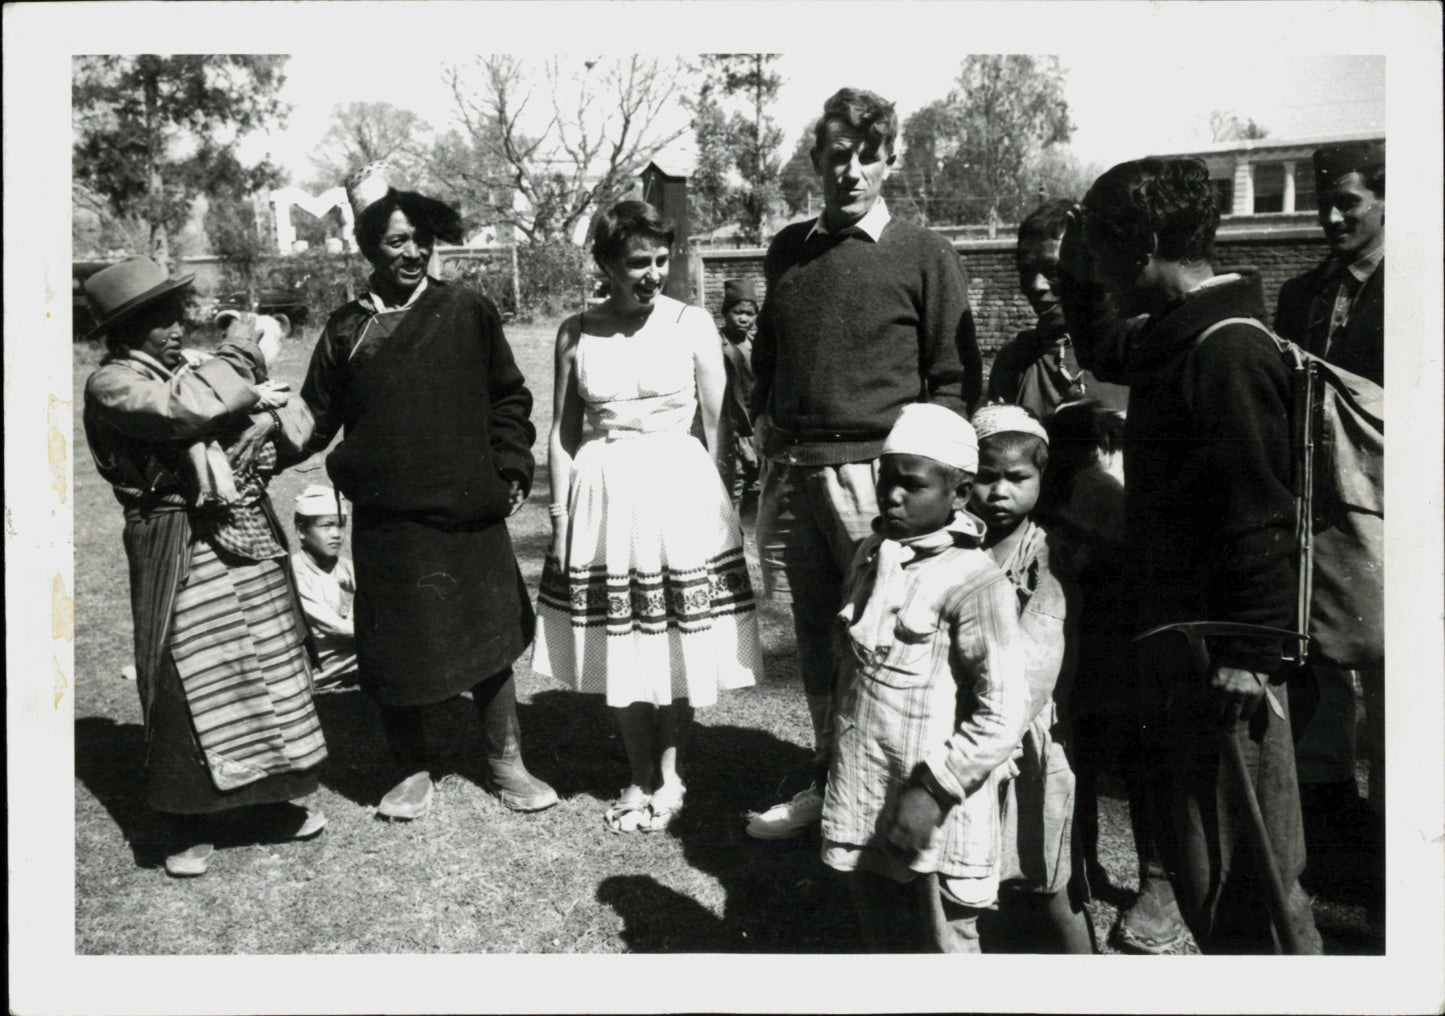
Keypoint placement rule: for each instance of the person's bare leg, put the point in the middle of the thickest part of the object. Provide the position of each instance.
(638, 722)
(674, 724)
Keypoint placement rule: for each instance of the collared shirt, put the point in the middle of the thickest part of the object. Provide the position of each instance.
(871, 225)
(380, 306)
(1347, 290)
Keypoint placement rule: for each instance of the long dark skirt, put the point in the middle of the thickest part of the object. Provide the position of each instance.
(437, 610)
(177, 780)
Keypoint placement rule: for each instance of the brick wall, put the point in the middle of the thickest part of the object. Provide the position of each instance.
(1278, 252)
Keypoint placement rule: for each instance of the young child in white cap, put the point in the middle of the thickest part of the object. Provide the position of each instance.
(930, 700)
(326, 583)
(1037, 859)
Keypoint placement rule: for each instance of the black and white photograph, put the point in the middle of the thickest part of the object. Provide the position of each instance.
(658, 507)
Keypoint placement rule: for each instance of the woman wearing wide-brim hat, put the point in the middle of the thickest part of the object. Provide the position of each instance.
(222, 672)
(435, 455)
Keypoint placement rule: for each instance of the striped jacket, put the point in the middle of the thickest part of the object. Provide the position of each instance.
(933, 673)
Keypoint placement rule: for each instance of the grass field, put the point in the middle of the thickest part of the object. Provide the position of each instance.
(472, 877)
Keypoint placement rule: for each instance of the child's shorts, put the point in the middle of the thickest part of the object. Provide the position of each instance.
(1036, 827)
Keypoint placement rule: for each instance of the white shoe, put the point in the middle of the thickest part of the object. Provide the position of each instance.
(782, 821)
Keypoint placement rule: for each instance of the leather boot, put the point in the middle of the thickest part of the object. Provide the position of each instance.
(496, 700)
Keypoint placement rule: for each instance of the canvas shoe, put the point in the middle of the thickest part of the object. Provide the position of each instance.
(782, 821)
(188, 863)
(410, 799)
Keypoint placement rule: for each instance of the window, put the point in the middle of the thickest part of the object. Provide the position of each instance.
(1268, 187)
(1305, 199)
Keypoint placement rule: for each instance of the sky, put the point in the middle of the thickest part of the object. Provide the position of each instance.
(1118, 114)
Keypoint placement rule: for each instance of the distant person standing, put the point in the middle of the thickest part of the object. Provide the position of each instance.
(864, 314)
(1038, 369)
(739, 458)
(1337, 311)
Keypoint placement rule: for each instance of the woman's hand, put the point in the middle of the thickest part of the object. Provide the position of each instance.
(274, 394)
(243, 452)
(557, 549)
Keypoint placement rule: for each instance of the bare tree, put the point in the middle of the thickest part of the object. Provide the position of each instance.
(363, 132)
(1227, 126)
(565, 152)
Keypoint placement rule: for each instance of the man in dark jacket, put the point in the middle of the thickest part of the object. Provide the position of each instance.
(1209, 518)
(1337, 311)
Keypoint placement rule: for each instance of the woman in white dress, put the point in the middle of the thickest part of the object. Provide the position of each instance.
(645, 594)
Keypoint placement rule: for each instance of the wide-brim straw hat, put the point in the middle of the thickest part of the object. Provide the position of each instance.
(118, 292)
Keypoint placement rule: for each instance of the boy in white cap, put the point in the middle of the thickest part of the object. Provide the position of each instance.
(326, 583)
(931, 700)
(1013, 451)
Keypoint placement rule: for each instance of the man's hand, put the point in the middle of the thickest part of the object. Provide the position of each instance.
(516, 496)
(1074, 260)
(915, 819)
(243, 452)
(1239, 692)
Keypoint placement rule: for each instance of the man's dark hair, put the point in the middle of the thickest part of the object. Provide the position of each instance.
(615, 226)
(1046, 222)
(431, 219)
(1168, 199)
(866, 112)
(1367, 158)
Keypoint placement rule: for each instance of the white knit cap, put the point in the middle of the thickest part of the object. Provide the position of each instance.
(930, 430)
(1003, 418)
(318, 500)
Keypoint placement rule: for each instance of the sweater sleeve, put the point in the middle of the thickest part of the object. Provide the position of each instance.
(948, 356)
(1239, 388)
(988, 661)
(182, 408)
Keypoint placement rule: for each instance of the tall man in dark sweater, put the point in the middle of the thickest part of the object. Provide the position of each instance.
(863, 315)
(1209, 522)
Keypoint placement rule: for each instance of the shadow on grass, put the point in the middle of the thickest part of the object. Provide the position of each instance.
(108, 760)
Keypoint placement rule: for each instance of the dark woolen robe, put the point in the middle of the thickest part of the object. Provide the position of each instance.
(435, 420)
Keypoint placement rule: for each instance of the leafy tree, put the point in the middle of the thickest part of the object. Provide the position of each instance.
(802, 192)
(752, 136)
(152, 133)
(973, 156)
(710, 191)
(363, 132)
(542, 165)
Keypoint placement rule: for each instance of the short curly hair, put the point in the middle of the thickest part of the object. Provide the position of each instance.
(1168, 199)
(615, 226)
(866, 112)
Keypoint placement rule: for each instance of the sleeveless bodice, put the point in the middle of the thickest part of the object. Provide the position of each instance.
(638, 384)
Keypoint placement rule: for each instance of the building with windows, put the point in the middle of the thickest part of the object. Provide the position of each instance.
(1267, 176)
